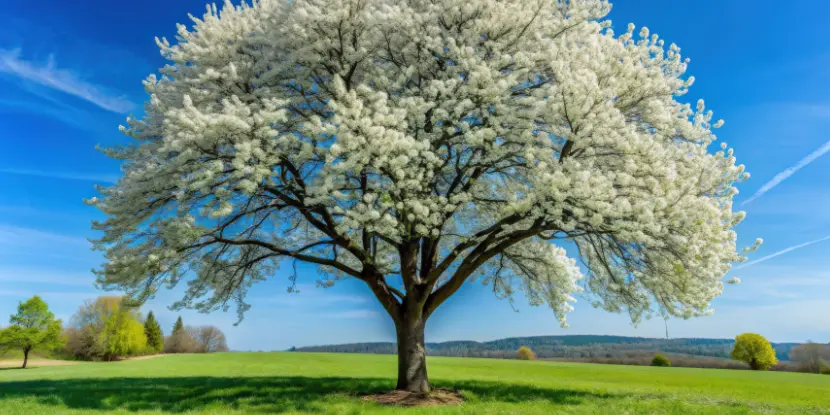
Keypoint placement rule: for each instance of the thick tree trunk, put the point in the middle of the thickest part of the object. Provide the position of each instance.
(25, 357)
(412, 364)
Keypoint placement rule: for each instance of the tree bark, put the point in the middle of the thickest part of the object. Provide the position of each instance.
(25, 357)
(412, 364)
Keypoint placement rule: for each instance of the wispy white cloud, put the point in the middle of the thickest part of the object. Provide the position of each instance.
(42, 276)
(784, 175)
(50, 76)
(350, 314)
(73, 295)
(91, 177)
(781, 252)
(67, 114)
(24, 237)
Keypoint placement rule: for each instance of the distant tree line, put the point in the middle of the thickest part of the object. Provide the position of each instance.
(571, 347)
(107, 328)
(751, 351)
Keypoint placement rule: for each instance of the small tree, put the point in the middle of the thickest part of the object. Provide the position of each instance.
(524, 353)
(754, 350)
(178, 325)
(32, 327)
(810, 356)
(660, 360)
(181, 339)
(76, 344)
(106, 328)
(152, 329)
(208, 339)
(124, 336)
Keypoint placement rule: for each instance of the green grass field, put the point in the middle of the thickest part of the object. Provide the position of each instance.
(232, 383)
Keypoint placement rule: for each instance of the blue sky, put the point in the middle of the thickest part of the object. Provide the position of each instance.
(70, 73)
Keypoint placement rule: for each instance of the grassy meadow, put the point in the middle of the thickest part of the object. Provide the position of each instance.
(300, 383)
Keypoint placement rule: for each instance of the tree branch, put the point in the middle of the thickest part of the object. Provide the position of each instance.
(476, 259)
(302, 257)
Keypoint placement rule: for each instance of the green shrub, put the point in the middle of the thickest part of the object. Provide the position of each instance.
(524, 353)
(660, 360)
(754, 350)
(825, 368)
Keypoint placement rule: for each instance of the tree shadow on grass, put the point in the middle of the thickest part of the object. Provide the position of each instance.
(254, 394)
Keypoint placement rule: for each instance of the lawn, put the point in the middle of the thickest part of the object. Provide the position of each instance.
(296, 383)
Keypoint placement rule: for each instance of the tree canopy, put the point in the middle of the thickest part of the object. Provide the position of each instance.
(418, 146)
(32, 327)
(107, 328)
(754, 350)
(209, 339)
(123, 336)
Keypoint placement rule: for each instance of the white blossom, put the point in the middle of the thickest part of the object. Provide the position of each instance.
(470, 136)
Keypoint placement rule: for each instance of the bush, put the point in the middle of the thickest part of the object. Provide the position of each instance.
(825, 368)
(660, 360)
(524, 353)
(754, 350)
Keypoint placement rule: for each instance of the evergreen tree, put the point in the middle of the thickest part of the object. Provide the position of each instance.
(155, 339)
(178, 326)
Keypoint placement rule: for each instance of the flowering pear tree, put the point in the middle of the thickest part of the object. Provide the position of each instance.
(419, 145)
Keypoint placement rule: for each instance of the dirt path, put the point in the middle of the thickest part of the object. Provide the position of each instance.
(37, 363)
(152, 356)
(51, 362)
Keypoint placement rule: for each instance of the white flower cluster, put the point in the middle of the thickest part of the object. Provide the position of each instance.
(340, 131)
